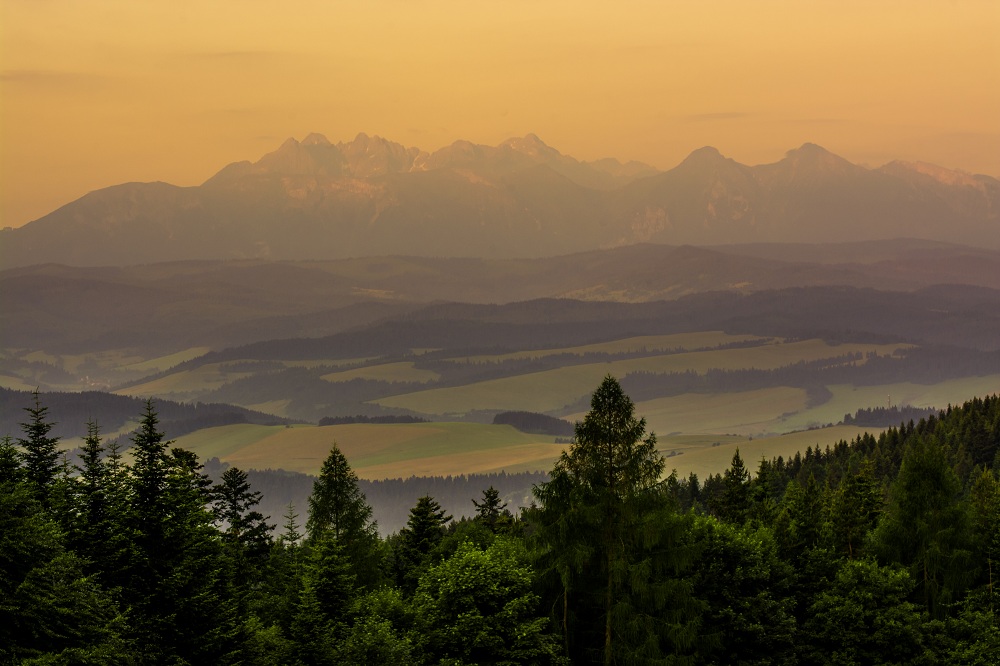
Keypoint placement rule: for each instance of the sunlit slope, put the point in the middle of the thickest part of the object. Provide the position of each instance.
(642, 344)
(378, 451)
(714, 457)
(439, 449)
(553, 390)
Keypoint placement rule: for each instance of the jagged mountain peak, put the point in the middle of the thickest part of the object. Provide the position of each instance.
(933, 171)
(704, 155)
(316, 139)
(530, 145)
(815, 155)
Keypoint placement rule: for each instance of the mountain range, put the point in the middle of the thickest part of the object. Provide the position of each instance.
(313, 199)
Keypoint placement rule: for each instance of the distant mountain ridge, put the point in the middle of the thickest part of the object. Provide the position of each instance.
(313, 199)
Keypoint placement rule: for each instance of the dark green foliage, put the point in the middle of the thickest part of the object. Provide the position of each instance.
(244, 529)
(734, 505)
(855, 509)
(413, 546)
(149, 563)
(382, 630)
(478, 607)
(492, 511)
(10, 462)
(175, 580)
(985, 499)
(606, 528)
(926, 527)
(746, 590)
(864, 617)
(539, 424)
(48, 606)
(338, 510)
(39, 451)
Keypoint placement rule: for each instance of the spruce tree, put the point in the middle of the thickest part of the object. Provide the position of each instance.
(926, 526)
(492, 511)
(40, 452)
(606, 527)
(424, 530)
(175, 579)
(338, 509)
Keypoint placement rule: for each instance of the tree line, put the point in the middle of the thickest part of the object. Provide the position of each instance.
(878, 551)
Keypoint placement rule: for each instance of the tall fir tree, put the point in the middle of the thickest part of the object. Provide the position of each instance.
(926, 527)
(40, 451)
(338, 509)
(608, 529)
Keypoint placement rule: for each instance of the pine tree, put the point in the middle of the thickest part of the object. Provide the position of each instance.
(10, 461)
(338, 509)
(95, 535)
(424, 530)
(245, 529)
(492, 511)
(175, 577)
(925, 526)
(855, 509)
(606, 527)
(734, 505)
(40, 452)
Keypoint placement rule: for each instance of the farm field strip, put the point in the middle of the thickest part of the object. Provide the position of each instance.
(553, 390)
(383, 446)
(402, 371)
(206, 377)
(166, 362)
(15, 383)
(847, 399)
(645, 343)
(708, 460)
(744, 413)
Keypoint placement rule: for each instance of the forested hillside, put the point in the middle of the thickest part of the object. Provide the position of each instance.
(882, 550)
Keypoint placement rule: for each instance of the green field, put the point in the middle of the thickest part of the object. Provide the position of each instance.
(704, 458)
(639, 344)
(378, 451)
(187, 383)
(403, 371)
(553, 390)
(162, 363)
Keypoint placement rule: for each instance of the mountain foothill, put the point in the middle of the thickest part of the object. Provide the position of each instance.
(313, 199)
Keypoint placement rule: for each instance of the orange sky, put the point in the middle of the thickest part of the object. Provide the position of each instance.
(98, 92)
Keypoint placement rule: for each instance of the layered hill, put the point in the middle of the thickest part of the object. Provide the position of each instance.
(156, 309)
(313, 199)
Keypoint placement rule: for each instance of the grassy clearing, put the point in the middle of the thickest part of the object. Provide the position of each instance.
(404, 371)
(645, 343)
(552, 390)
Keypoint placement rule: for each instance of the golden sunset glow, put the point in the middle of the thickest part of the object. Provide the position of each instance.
(98, 92)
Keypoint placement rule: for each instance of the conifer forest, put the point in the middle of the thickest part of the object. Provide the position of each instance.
(881, 550)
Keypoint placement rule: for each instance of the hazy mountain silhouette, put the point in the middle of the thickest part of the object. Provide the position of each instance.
(313, 199)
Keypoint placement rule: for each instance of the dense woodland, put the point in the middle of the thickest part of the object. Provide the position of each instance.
(883, 550)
